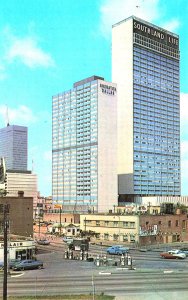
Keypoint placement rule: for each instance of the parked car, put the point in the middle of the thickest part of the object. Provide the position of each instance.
(28, 264)
(68, 239)
(13, 262)
(118, 250)
(184, 250)
(173, 254)
(10, 263)
(43, 242)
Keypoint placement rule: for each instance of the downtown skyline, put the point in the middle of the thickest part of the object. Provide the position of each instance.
(47, 45)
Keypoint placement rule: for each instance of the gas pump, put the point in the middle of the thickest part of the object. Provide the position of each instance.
(70, 254)
(81, 255)
(129, 262)
(105, 260)
(122, 260)
(98, 261)
(85, 255)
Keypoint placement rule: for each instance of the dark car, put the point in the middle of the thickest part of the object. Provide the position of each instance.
(28, 264)
(43, 242)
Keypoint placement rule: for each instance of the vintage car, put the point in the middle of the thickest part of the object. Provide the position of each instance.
(118, 250)
(28, 264)
(184, 250)
(68, 239)
(173, 254)
(43, 242)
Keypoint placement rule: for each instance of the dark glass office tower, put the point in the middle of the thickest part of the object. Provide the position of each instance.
(13, 147)
(145, 66)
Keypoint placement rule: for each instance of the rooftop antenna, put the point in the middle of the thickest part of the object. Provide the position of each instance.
(7, 117)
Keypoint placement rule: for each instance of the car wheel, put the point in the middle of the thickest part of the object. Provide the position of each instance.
(39, 267)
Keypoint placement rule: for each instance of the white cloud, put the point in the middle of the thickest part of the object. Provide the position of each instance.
(115, 11)
(22, 115)
(25, 49)
(172, 25)
(28, 52)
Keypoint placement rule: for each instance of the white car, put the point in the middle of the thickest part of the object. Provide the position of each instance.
(67, 239)
(177, 253)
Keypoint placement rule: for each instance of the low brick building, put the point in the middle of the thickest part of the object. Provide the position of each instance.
(57, 216)
(163, 228)
(20, 215)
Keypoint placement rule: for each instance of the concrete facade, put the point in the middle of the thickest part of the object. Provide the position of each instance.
(146, 68)
(112, 227)
(84, 147)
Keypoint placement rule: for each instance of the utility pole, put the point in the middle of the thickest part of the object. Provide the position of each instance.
(5, 223)
(60, 219)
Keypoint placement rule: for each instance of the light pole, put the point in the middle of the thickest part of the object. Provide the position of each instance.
(60, 220)
(5, 208)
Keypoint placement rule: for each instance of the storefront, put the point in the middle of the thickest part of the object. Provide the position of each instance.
(19, 249)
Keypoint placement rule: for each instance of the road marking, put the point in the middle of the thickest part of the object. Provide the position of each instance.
(105, 273)
(168, 271)
(17, 275)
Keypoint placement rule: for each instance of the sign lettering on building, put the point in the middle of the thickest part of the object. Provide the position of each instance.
(108, 89)
(14, 244)
(153, 33)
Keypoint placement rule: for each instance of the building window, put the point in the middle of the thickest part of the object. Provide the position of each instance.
(97, 235)
(126, 224)
(125, 238)
(132, 238)
(115, 237)
(132, 224)
(106, 223)
(183, 224)
(169, 223)
(177, 223)
(160, 222)
(115, 224)
(106, 236)
(97, 223)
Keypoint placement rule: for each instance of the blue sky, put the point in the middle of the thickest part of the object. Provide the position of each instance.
(47, 45)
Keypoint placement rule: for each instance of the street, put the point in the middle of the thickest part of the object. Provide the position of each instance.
(151, 274)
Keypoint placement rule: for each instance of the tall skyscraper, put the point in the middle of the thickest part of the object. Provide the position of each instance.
(84, 165)
(13, 147)
(146, 68)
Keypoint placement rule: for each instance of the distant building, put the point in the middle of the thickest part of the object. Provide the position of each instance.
(18, 247)
(18, 181)
(20, 215)
(146, 68)
(13, 147)
(84, 149)
(135, 228)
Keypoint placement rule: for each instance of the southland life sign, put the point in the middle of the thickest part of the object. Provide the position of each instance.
(156, 34)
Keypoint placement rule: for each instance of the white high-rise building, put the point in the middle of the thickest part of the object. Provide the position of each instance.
(84, 148)
(146, 68)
